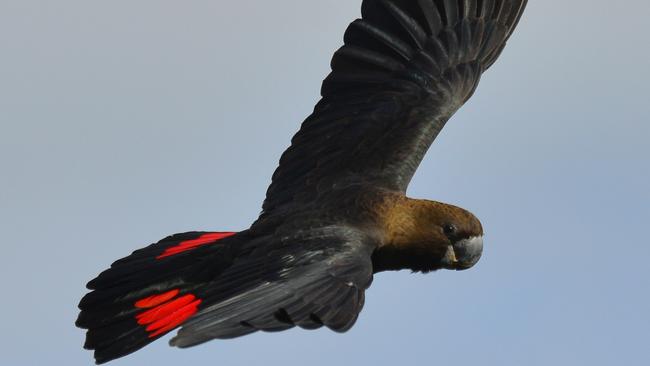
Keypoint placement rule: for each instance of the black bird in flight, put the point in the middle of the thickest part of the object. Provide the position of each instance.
(336, 211)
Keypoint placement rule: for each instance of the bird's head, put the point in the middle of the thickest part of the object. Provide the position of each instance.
(459, 231)
(426, 236)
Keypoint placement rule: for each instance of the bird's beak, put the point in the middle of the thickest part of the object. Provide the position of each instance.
(463, 254)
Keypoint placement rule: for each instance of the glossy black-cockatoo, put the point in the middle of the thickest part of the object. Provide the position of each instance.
(336, 210)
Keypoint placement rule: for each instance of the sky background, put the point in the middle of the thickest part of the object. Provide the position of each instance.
(124, 121)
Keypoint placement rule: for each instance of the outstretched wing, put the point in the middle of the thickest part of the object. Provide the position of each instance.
(306, 278)
(405, 68)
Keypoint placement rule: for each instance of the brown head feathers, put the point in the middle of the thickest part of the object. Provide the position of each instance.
(424, 235)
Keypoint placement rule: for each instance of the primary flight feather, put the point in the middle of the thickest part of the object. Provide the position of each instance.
(336, 210)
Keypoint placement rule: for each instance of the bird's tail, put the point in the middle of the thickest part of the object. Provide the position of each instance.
(149, 293)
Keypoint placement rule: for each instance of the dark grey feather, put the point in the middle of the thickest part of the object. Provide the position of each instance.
(404, 70)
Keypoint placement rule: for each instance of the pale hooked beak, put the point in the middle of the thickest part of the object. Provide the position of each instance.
(463, 254)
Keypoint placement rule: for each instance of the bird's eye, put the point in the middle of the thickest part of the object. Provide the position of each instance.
(449, 229)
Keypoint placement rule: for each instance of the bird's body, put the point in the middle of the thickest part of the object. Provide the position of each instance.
(336, 211)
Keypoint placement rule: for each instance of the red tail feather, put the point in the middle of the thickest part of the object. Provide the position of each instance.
(194, 243)
(166, 311)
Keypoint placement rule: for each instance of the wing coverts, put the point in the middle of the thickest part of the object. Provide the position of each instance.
(308, 279)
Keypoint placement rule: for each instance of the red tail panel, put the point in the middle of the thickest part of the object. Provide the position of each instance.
(166, 311)
(186, 245)
(151, 292)
(155, 300)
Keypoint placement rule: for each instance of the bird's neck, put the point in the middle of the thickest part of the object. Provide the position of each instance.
(407, 236)
(405, 220)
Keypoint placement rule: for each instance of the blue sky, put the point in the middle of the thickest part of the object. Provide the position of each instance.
(124, 121)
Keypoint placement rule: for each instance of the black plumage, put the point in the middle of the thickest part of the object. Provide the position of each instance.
(405, 68)
(335, 211)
